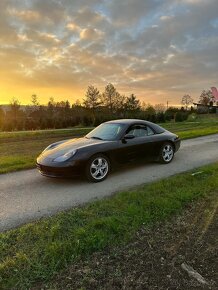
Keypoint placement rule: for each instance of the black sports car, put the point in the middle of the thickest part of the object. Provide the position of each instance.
(110, 143)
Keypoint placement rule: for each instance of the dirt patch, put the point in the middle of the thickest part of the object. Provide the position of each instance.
(153, 258)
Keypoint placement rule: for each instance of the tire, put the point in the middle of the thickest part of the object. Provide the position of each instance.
(98, 168)
(166, 153)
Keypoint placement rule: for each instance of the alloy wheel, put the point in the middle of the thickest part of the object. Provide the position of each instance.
(167, 153)
(99, 168)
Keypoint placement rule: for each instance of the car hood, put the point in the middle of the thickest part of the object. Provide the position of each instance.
(69, 145)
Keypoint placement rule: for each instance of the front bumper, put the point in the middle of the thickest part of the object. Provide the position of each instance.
(60, 172)
(47, 167)
(177, 143)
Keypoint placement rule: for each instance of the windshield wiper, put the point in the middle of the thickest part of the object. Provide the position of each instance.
(95, 137)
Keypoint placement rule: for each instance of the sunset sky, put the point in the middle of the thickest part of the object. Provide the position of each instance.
(159, 50)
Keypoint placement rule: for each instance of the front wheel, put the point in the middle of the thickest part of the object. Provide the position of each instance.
(97, 168)
(166, 153)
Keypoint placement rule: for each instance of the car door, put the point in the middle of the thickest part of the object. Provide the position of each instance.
(148, 146)
(132, 149)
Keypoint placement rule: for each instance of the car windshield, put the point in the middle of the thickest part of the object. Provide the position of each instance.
(107, 131)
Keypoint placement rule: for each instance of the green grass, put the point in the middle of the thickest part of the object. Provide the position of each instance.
(38, 134)
(202, 117)
(18, 150)
(198, 132)
(36, 251)
(187, 130)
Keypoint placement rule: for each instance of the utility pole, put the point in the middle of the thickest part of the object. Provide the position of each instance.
(167, 104)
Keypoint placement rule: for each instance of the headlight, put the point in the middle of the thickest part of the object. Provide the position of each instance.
(65, 156)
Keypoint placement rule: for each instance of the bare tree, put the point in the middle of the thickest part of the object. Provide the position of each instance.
(206, 97)
(186, 101)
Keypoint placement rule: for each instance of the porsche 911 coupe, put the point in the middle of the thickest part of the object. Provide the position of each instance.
(108, 145)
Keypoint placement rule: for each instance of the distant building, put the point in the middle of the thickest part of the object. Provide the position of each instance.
(202, 109)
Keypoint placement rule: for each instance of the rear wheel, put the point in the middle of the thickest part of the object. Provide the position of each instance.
(166, 153)
(97, 168)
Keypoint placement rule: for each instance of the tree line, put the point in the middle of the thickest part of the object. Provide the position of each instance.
(94, 109)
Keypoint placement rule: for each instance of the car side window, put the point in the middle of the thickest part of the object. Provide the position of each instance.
(150, 131)
(138, 130)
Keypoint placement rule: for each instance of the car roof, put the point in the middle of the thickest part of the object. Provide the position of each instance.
(156, 127)
(127, 121)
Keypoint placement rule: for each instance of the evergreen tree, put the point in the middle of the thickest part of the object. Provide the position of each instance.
(110, 98)
(92, 100)
(132, 104)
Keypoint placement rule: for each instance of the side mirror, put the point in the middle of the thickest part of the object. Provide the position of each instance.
(129, 136)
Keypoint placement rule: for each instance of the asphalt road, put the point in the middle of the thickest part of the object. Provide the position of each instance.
(26, 195)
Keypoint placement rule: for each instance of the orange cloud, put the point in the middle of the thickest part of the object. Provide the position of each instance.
(155, 50)
(26, 15)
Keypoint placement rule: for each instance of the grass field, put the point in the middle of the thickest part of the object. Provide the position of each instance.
(18, 150)
(35, 252)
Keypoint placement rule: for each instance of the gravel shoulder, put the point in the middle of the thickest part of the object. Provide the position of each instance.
(154, 257)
